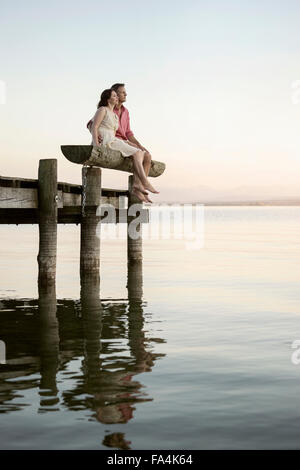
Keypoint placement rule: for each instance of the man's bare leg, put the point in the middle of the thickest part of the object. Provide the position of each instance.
(147, 163)
(137, 184)
(147, 166)
(138, 158)
(135, 189)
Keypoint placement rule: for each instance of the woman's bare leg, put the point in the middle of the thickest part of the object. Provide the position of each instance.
(138, 190)
(138, 158)
(147, 166)
(137, 184)
(147, 163)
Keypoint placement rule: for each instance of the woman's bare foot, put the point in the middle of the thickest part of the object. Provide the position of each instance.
(139, 188)
(150, 188)
(139, 195)
(147, 199)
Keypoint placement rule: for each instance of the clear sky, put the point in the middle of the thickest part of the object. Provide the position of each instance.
(209, 83)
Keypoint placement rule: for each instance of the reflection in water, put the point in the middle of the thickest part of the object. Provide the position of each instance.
(106, 340)
(116, 439)
(48, 345)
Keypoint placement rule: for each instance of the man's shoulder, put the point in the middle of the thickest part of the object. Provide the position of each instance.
(116, 109)
(121, 111)
(125, 110)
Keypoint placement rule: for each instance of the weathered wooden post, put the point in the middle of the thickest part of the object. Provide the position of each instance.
(135, 280)
(90, 240)
(134, 245)
(47, 215)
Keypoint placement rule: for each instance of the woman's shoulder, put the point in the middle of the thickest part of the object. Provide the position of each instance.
(100, 113)
(101, 109)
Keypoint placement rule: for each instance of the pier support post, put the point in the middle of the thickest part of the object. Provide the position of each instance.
(135, 280)
(134, 246)
(90, 236)
(47, 213)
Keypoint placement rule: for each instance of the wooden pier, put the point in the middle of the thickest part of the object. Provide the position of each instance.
(47, 202)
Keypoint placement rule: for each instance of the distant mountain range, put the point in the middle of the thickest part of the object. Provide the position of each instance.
(239, 194)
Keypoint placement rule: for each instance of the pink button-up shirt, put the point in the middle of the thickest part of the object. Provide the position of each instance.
(123, 131)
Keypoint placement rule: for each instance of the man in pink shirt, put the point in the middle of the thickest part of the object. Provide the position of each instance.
(124, 132)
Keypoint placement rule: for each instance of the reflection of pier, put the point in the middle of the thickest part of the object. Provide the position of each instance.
(49, 337)
(48, 344)
(87, 354)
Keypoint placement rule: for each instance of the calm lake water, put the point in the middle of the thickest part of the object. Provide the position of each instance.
(192, 350)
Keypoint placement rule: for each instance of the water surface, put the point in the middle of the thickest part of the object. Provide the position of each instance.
(191, 350)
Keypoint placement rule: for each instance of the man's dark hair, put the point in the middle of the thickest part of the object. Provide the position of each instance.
(116, 86)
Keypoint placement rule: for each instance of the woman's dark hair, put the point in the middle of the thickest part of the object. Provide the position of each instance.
(105, 95)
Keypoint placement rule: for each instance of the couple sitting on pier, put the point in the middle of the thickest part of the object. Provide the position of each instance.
(110, 126)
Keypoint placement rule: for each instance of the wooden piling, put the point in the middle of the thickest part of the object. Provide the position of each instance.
(47, 218)
(135, 280)
(90, 238)
(134, 246)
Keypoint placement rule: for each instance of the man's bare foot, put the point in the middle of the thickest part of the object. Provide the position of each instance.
(139, 188)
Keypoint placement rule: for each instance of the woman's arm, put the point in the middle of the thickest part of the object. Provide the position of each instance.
(98, 118)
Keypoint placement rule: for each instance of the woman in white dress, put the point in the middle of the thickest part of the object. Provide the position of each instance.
(106, 122)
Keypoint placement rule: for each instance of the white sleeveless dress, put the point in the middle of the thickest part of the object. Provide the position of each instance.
(108, 129)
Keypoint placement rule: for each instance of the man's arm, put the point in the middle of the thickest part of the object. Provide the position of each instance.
(131, 138)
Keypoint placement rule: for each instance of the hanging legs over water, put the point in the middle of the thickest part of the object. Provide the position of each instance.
(141, 166)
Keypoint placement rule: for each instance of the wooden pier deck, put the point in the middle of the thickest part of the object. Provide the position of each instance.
(19, 201)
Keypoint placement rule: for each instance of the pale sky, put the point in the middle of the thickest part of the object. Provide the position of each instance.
(209, 83)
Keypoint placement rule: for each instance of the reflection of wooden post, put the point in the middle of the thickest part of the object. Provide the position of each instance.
(47, 207)
(91, 313)
(90, 241)
(134, 247)
(49, 344)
